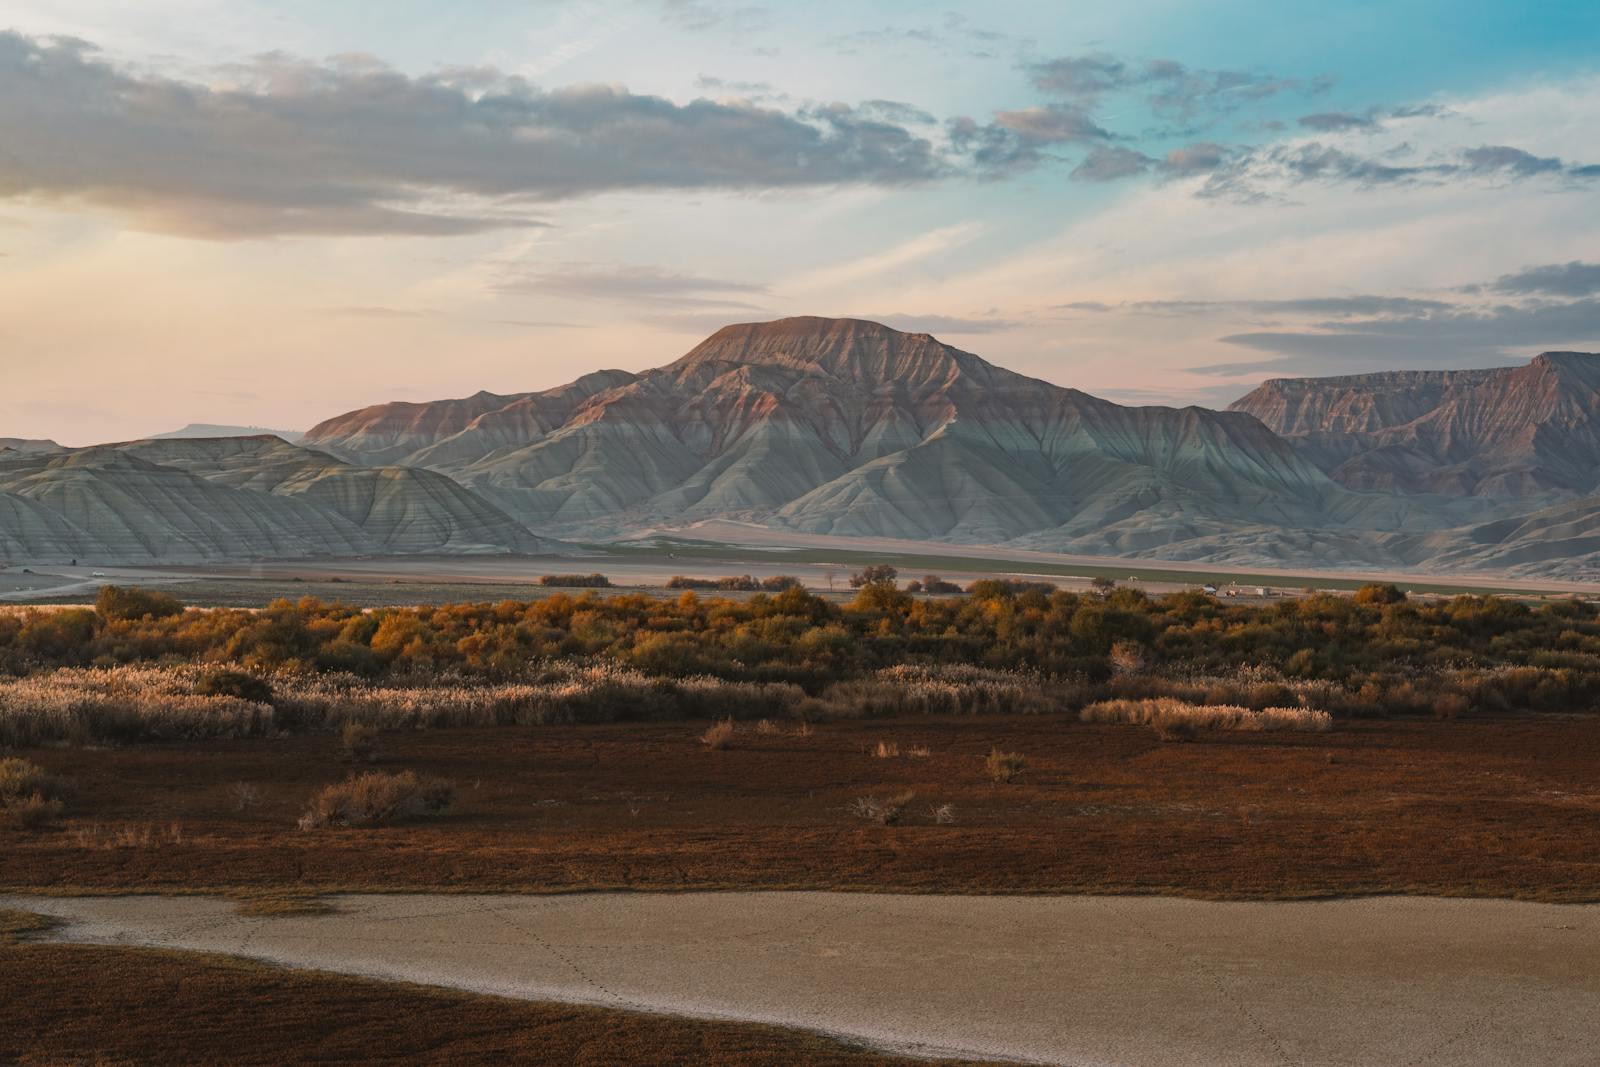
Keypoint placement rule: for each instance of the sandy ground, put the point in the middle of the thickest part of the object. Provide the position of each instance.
(1070, 980)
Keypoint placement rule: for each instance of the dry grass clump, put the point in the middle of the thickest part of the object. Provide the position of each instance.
(945, 690)
(554, 693)
(1004, 766)
(122, 704)
(89, 705)
(358, 743)
(919, 752)
(133, 835)
(1174, 720)
(30, 799)
(766, 728)
(244, 795)
(33, 812)
(375, 798)
(886, 750)
(883, 811)
(719, 736)
(942, 814)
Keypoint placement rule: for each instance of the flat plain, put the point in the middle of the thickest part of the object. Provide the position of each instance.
(1481, 807)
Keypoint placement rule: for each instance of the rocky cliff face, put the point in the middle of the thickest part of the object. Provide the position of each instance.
(1506, 432)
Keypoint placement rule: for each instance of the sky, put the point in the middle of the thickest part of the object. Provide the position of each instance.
(267, 214)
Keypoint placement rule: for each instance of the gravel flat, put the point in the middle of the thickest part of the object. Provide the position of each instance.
(1073, 980)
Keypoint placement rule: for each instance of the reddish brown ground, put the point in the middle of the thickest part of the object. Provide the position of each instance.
(73, 1004)
(1505, 807)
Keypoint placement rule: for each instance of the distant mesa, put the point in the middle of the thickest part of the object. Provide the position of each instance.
(206, 429)
(848, 427)
(23, 444)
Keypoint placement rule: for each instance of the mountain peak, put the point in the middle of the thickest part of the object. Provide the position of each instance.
(855, 349)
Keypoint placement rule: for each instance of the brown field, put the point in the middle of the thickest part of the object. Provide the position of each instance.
(1489, 807)
(76, 1004)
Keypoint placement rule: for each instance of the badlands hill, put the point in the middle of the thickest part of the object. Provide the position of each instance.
(191, 500)
(847, 427)
(23, 444)
(1502, 433)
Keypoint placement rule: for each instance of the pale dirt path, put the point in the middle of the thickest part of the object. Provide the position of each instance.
(1153, 982)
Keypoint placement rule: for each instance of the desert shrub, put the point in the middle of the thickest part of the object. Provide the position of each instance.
(244, 795)
(64, 637)
(30, 798)
(942, 814)
(1004, 766)
(735, 583)
(877, 574)
(576, 581)
(1174, 720)
(766, 727)
(230, 683)
(358, 743)
(883, 811)
(1378, 593)
(130, 602)
(937, 586)
(21, 778)
(1127, 657)
(719, 735)
(374, 798)
(31, 813)
(1447, 706)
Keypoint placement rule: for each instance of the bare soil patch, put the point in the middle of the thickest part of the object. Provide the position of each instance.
(1507, 807)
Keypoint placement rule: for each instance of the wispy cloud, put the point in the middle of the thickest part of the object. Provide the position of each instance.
(353, 147)
(1377, 332)
(944, 324)
(627, 283)
(1557, 279)
(914, 250)
(1173, 91)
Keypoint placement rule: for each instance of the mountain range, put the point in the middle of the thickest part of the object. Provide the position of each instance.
(848, 427)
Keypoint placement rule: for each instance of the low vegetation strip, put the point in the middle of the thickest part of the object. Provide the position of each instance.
(142, 667)
(1175, 718)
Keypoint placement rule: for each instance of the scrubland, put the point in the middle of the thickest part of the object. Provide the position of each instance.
(1006, 739)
